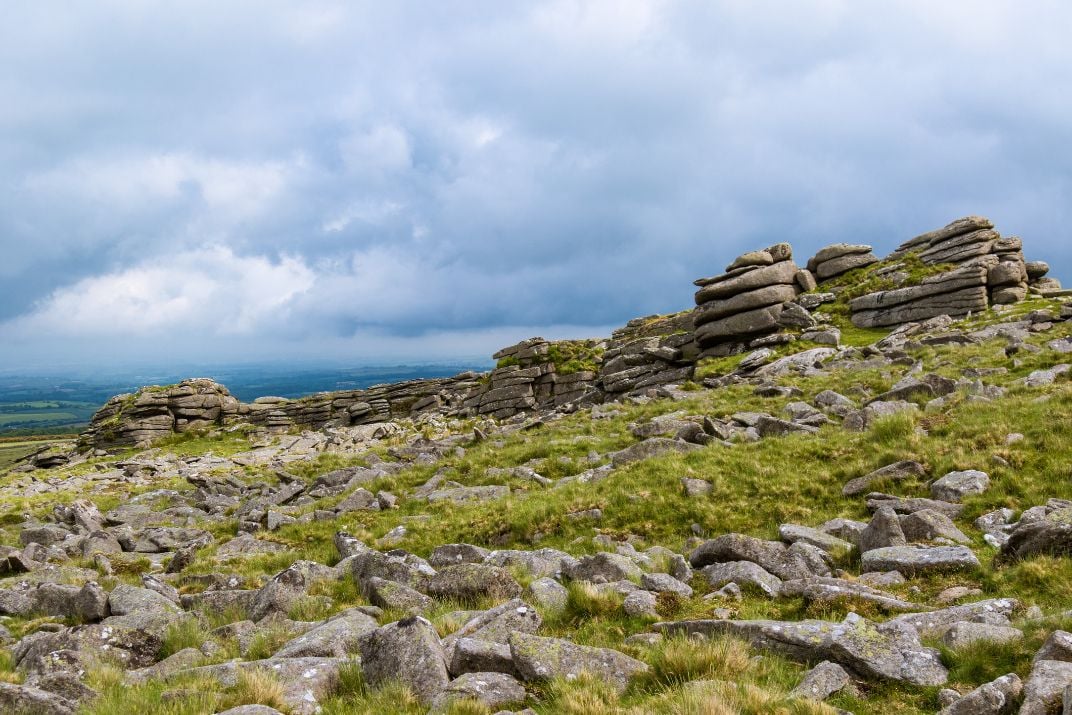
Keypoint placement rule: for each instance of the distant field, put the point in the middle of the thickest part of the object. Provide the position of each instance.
(37, 416)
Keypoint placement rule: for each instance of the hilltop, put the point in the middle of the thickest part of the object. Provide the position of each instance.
(843, 485)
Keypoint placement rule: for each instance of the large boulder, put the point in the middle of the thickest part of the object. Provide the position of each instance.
(1052, 534)
(469, 582)
(407, 651)
(798, 560)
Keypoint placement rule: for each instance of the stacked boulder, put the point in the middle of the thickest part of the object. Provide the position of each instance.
(962, 240)
(519, 386)
(834, 260)
(750, 299)
(155, 412)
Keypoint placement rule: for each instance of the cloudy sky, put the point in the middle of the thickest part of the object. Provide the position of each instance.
(364, 181)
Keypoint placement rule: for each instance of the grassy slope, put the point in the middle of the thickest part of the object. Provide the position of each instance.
(757, 487)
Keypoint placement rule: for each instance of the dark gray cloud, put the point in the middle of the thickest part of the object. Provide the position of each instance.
(389, 179)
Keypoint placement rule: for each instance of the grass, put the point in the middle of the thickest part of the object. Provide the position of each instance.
(756, 487)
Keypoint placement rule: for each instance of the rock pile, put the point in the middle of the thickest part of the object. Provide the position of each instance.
(527, 378)
(749, 299)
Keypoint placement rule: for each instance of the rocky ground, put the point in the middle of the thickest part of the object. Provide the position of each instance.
(866, 521)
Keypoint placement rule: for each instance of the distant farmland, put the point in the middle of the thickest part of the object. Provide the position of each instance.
(44, 416)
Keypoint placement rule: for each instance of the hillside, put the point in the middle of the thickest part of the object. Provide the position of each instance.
(843, 486)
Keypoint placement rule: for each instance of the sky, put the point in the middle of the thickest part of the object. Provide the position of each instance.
(377, 181)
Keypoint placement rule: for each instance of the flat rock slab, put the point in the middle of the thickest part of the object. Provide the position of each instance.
(936, 623)
(836, 589)
(915, 560)
(891, 472)
(878, 651)
(541, 659)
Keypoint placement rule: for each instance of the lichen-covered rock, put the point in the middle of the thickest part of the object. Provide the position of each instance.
(541, 659)
(916, 560)
(337, 637)
(935, 623)
(785, 562)
(1050, 535)
(495, 625)
(29, 700)
(494, 690)
(1045, 687)
(473, 581)
(883, 531)
(966, 633)
(998, 697)
(604, 567)
(928, 525)
(822, 681)
(391, 594)
(548, 593)
(743, 573)
(953, 487)
(289, 585)
(407, 651)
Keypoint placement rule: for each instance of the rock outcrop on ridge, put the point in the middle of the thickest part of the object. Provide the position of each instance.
(763, 300)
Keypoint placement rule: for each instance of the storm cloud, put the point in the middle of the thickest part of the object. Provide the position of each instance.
(411, 179)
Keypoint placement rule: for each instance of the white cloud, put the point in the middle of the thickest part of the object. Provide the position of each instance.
(385, 147)
(234, 188)
(209, 292)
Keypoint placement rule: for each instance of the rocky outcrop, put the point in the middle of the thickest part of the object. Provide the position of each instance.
(762, 300)
(538, 373)
(749, 299)
(379, 403)
(155, 412)
(989, 270)
(955, 293)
